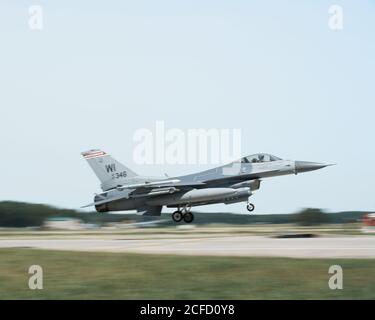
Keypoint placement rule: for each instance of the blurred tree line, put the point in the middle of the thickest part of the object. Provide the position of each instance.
(19, 214)
(310, 217)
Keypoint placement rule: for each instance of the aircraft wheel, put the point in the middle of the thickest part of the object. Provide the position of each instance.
(177, 216)
(250, 207)
(188, 217)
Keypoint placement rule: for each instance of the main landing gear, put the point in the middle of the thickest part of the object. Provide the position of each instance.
(183, 214)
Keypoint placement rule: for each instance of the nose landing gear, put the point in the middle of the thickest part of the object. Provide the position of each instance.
(250, 207)
(183, 214)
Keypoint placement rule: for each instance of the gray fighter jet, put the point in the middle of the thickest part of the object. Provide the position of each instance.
(235, 182)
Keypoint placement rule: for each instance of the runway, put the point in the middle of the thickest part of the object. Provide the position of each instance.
(321, 247)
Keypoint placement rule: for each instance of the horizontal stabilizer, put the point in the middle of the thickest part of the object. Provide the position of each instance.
(150, 211)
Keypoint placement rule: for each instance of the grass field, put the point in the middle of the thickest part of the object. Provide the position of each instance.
(78, 275)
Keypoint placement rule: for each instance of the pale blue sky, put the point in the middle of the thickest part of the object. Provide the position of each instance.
(99, 70)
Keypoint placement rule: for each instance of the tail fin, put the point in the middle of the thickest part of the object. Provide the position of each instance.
(110, 172)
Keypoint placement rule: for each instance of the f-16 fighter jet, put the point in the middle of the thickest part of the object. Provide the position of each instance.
(123, 189)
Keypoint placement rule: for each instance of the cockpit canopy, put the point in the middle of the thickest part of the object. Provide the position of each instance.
(259, 157)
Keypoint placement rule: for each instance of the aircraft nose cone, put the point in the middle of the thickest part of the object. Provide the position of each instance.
(304, 166)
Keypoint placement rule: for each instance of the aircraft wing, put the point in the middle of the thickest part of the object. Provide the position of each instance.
(158, 184)
(142, 190)
(242, 177)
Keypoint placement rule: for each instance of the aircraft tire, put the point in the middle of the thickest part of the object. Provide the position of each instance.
(188, 217)
(250, 207)
(177, 216)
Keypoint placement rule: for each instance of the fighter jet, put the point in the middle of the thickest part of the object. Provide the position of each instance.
(123, 189)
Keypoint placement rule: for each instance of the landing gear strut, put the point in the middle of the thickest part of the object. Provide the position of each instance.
(184, 214)
(250, 207)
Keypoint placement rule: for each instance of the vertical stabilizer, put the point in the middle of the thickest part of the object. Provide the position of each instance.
(109, 171)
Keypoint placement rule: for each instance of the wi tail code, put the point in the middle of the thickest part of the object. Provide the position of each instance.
(110, 167)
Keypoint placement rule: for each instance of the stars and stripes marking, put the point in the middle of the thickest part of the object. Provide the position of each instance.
(93, 154)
